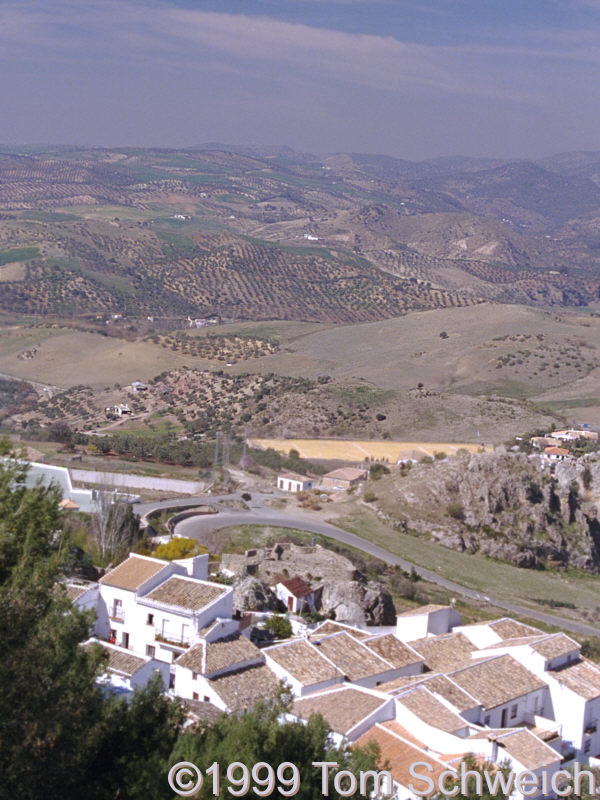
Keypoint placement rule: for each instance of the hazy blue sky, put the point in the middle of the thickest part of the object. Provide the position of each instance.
(412, 78)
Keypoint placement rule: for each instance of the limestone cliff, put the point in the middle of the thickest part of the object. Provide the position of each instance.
(504, 505)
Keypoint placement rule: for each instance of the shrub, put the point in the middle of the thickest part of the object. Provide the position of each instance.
(179, 547)
(377, 470)
(456, 510)
(279, 626)
(370, 497)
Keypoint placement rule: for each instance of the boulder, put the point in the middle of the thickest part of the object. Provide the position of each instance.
(357, 603)
(250, 594)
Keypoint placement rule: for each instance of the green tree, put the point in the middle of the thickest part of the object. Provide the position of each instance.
(260, 735)
(280, 626)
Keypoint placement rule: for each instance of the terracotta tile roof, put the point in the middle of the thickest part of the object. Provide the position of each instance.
(400, 754)
(210, 657)
(294, 476)
(303, 661)
(556, 451)
(497, 680)
(519, 641)
(526, 748)
(399, 684)
(197, 711)
(120, 661)
(507, 628)
(75, 591)
(557, 645)
(69, 504)
(187, 593)
(450, 691)
(297, 586)
(393, 650)
(243, 689)
(581, 677)
(437, 684)
(427, 609)
(342, 708)
(346, 474)
(352, 657)
(133, 572)
(428, 708)
(330, 626)
(395, 727)
(446, 652)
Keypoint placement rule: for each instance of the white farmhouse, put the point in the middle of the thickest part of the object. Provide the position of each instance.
(294, 482)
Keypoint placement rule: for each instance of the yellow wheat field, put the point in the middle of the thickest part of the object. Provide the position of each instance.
(357, 450)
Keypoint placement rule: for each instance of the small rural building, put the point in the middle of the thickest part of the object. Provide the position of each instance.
(293, 482)
(555, 453)
(296, 595)
(343, 478)
(120, 409)
(138, 386)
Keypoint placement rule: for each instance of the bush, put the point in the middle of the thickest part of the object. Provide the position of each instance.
(279, 626)
(179, 547)
(370, 497)
(377, 470)
(456, 510)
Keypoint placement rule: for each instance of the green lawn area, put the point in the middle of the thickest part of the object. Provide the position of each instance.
(491, 577)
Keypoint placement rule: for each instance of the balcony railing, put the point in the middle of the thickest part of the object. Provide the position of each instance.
(117, 615)
(172, 639)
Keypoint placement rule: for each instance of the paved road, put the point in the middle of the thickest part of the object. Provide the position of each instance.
(259, 514)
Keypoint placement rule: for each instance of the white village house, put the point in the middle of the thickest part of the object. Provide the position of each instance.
(293, 482)
(156, 608)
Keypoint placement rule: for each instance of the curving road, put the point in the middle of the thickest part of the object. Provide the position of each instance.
(260, 514)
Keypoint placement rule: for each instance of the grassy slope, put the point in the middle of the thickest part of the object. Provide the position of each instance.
(488, 576)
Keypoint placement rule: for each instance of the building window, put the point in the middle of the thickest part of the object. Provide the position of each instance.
(206, 698)
(194, 676)
(513, 711)
(195, 696)
(150, 619)
(150, 650)
(486, 720)
(586, 746)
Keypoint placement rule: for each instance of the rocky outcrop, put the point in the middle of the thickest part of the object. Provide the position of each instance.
(358, 603)
(503, 505)
(250, 594)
